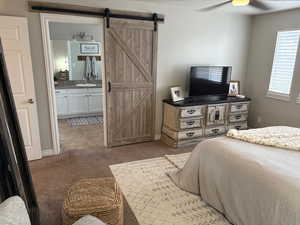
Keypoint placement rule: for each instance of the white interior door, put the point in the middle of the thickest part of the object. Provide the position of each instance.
(15, 40)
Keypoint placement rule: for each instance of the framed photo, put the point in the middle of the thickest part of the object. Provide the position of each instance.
(234, 88)
(89, 48)
(177, 94)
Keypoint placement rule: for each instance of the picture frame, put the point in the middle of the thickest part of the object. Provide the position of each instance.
(89, 48)
(234, 88)
(177, 93)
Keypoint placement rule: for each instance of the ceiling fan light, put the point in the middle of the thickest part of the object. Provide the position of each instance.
(240, 2)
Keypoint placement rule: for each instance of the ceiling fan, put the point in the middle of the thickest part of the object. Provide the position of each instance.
(254, 3)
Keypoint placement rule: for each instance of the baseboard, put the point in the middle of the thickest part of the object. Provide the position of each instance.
(47, 152)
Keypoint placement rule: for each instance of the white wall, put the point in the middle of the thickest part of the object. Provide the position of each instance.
(186, 38)
(65, 31)
(261, 52)
(13, 7)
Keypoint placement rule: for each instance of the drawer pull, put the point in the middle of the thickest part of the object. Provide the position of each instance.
(238, 117)
(191, 111)
(215, 131)
(238, 127)
(190, 134)
(239, 106)
(190, 123)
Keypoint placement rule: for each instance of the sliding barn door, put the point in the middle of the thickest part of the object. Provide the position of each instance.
(130, 68)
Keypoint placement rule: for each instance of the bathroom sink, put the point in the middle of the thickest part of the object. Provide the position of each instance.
(86, 85)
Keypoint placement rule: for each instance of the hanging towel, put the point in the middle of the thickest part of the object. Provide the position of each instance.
(94, 72)
(88, 68)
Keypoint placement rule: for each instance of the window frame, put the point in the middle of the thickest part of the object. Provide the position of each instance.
(278, 95)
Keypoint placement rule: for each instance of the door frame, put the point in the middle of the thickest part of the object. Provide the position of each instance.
(45, 19)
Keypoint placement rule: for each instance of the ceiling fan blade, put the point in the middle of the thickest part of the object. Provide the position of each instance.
(214, 6)
(258, 4)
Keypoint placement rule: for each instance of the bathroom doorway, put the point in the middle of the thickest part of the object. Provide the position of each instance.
(74, 57)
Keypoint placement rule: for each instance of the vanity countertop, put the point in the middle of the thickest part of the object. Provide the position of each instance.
(72, 84)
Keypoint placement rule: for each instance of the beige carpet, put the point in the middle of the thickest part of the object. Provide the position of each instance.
(155, 200)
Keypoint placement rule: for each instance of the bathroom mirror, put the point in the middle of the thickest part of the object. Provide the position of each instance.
(76, 52)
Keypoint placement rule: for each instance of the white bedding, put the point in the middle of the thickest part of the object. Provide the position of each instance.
(250, 184)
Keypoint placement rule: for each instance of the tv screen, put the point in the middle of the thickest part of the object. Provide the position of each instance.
(209, 80)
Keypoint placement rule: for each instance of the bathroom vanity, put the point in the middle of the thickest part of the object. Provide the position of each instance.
(79, 100)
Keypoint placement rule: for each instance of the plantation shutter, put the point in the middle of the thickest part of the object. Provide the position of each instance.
(284, 61)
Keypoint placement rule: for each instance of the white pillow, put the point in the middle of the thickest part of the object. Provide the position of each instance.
(89, 220)
(13, 212)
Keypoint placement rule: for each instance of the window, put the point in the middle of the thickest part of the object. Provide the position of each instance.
(284, 64)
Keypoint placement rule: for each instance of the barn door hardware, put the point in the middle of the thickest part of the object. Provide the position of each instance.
(96, 12)
(155, 19)
(106, 16)
(109, 86)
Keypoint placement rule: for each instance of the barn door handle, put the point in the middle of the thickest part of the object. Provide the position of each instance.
(109, 86)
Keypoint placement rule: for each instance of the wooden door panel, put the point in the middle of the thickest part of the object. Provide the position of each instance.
(130, 68)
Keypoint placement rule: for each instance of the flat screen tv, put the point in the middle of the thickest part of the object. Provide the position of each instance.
(209, 80)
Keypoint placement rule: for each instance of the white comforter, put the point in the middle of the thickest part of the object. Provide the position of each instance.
(250, 184)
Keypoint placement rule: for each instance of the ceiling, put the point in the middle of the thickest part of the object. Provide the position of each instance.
(277, 5)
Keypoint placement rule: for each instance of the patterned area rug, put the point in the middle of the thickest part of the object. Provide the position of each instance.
(155, 200)
(80, 121)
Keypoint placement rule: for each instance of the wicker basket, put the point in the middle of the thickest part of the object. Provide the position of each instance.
(101, 198)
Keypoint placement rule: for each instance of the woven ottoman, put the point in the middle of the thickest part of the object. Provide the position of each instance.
(101, 198)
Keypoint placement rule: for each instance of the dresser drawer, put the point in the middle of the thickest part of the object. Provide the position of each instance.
(179, 143)
(239, 107)
(238, 117)
(213, 131)
(181, 135)
(238, 126)
(191, 111)
(190, 123)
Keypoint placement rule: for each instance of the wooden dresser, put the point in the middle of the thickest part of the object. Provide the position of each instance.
(190, 121)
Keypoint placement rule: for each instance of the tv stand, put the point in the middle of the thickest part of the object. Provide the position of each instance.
(196, 118)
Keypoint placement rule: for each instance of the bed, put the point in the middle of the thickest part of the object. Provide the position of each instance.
(251, 184)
